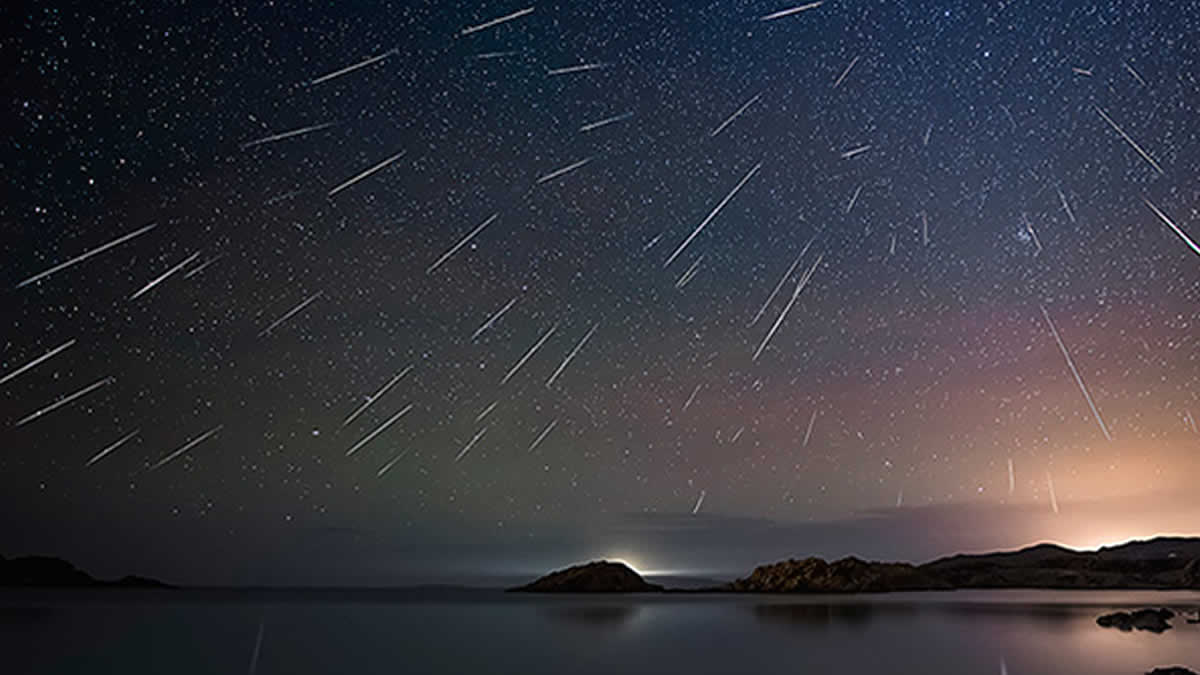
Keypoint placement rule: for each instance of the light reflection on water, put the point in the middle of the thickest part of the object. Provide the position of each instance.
(486, 632)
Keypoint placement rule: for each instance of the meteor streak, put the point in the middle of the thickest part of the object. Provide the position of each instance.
(578, 346)
(528, 354)
(36, 361)
(80, 258)
(1175, 228)
(188, 446)
(104, 453)
(845, 72)
(162, 277)
(782, 315)
(576, 69)
(1129, 140)
(371, 399)
(734, 116)
(64, 400)
(291, 313)
(461, 243)
(495, 22)
(712, 214)
(545, 432)
(788, 12)
(350, 69)
(379, 430)
(470, 444)
(1074, 371)
(778, 286)
(495, 317)
(565, 170)
(606, 121)
(378, 167)
(287, 134)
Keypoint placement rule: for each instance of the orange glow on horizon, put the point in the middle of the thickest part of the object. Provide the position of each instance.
(1092, 544)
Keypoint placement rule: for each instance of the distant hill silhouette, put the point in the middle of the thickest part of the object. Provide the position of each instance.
(848, 575)
(1161, 563)
(594, 577)
(43, 571)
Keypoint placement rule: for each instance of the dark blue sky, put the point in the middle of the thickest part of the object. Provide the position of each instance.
(999, 176)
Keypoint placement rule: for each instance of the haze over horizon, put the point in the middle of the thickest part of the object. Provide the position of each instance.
(684, 284)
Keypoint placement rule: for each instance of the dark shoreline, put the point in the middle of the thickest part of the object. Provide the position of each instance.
(1165, 563)
(1160, 564)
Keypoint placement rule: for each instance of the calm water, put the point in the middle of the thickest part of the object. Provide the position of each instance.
(484, 632)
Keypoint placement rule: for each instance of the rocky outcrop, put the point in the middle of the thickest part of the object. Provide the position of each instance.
(848, 575)
(1153, 620)
(1161, 563)
(1166, 562)
(43, 571)
(1171, 670)
(594, 577)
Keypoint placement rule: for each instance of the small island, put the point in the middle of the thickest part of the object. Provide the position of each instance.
(47, 572)
(594, 577)
(1153, 620)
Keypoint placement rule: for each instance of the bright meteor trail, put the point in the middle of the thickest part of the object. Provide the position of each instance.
(1074, 371)
(80, 258)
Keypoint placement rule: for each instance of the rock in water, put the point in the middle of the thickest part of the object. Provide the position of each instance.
(1154, 620)
(594, 577)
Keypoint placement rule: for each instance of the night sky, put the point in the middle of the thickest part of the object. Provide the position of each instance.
(946, 176)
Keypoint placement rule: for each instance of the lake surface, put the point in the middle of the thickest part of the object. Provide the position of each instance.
(446, 631)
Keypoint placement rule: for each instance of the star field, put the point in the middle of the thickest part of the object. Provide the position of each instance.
(952, 167)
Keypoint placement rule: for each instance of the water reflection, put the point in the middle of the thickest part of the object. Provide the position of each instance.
(592, 616)
(821, 615)
(810, 615)
(19, 617)
(1044, 616)
(311, 633)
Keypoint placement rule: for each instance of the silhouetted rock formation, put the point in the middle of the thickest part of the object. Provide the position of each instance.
(44, 571)
(1153, 620)
(1163, 563)
(594, 577)
(1171, 670)
(1167, 562)
(848, 575)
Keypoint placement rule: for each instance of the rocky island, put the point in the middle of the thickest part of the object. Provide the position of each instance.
(594, 577)
(1153, 620)
(47, 572)
(848, 575)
